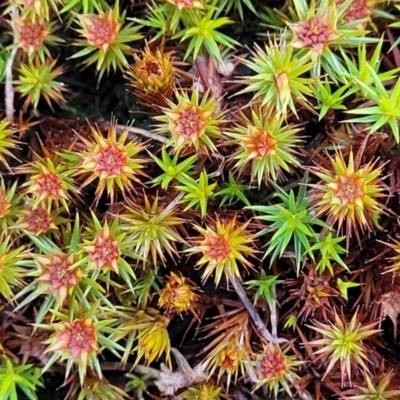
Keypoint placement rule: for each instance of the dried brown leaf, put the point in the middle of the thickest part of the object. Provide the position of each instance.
(390, 302)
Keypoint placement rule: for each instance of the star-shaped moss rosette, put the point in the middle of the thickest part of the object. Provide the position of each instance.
(178, 294)
(201, 33)
(109, 159)
(343, 344)
(358, 11)
(49, 180)
(329, 253)
(193, 122)
(34, 35)
(153, 340)
(381, 107)
(80, 333)
(152, 76)
(223, 247)
(232, 191)
(37, 80)
(273, 366)
(107, 248)
(196, 192)
(348, 194)
(291, 223)
(39, 220)
(59, 275)
(14, 264)
(145, 334)
(152, 231)
(173, 168)
(105, 39)
(317, 27)
(230, 351)
(152, 71)
(280, 80)
(76, 339)
(316, 33)
(266, 143)
(228, 358)
(104, 252)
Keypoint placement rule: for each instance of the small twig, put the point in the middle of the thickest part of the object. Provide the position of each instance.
(220, 169)
(174, 202)
(274, 314)
(258, 322)
(136, 131)
(8, 85)
(144, 132)
(262, 329)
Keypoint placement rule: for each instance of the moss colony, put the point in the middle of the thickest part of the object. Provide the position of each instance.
(199, 199)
